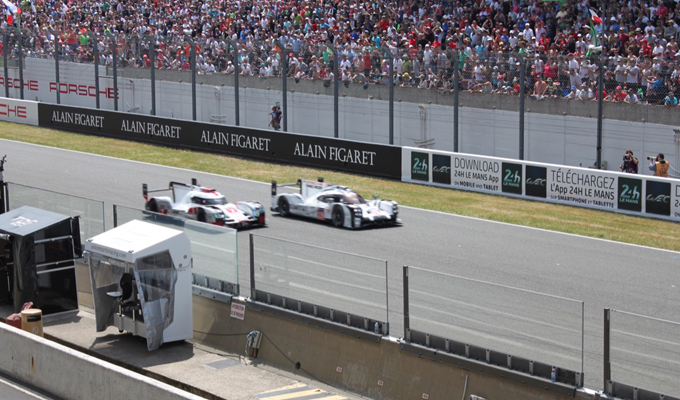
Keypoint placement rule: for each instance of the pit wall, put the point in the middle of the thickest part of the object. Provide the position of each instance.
(376, 369)
(72, 375)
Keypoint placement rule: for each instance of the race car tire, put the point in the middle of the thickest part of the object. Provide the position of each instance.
(338, 217)
(201, 216)
(284, 207)
(152, 206)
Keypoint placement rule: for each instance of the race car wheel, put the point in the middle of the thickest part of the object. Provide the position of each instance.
(153, 207)
(284, 207)
(201, 216)
(338, 217)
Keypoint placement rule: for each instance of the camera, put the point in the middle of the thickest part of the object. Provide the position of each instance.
(651, 158)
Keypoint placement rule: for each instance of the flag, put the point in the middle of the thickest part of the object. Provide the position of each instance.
(593, 17)
(12, 7)
(560, 2)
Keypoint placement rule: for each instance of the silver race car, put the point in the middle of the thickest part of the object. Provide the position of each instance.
(204, 204)
(338, 204)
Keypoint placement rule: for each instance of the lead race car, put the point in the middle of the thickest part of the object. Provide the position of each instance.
(338, 204)
(204, 204)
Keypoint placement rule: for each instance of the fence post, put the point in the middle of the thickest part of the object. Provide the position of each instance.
(236, 73)
(57, 49)
(5, 46)
(607, 365)
(335, 90)
(152, 56)
(386, 51)
(193, 75)
(284, 83)
(3, 198)
(456, 90)
(114, 52)
(20, 54)
(95, 52)
(253, 292)
(522, 95)
(407, 323)
(600, 109)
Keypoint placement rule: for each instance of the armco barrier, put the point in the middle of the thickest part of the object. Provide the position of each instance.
(72, 375)
(641, 195)
(319, 152)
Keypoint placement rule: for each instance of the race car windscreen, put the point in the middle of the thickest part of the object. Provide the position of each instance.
(353, 199)
(210, 202)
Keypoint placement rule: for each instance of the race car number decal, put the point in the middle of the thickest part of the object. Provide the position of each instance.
(319, 213)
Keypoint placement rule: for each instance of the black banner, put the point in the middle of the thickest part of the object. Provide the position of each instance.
(536, 181)
(512, 178)
(420, 168)
(320, 152)
(630, 194)
(658, 200)
(441, 169)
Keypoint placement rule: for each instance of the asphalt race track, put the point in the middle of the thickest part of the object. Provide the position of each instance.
(600, 273)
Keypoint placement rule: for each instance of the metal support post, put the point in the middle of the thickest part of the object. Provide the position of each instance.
(152, 56)
(237, 65)
(20, 56)
(607, 364)
(5, 44)
(407, 323)
(253, 292)
(193, 76)
(456, 104)
(95, 52)
(388, 53)
(57, 50)
(600, 110)
(114, 52)
(284, 82)
(3, 198)
(522, 96)
(336, 88)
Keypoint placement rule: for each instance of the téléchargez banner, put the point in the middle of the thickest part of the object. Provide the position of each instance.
(345, 155)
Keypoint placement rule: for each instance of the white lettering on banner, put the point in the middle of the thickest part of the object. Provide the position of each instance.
(235, 140)
(332, 153)
(476, 173)
(151, 128)
(590, 188)
(238, 311)
(66, 117)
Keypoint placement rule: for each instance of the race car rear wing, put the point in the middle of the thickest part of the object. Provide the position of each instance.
(179, 189)
(307, 188)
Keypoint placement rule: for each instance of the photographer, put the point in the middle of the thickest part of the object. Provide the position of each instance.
(630, 163)
(659, 165)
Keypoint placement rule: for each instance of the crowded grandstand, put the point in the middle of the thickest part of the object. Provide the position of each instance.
(484, 44)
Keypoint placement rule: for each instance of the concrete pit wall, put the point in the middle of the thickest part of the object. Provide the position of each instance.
(349, 363)
(72, 375)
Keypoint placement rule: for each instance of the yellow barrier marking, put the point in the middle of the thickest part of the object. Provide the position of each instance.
(297, 395)
(295, 386)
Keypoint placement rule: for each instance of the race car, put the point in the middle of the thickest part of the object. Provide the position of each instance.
(338, 204)
(204, 204)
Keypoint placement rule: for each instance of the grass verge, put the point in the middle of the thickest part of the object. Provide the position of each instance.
(599, 224)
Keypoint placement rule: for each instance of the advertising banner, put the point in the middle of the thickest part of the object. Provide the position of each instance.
(320, 152)
(19, 111)
(584, 187)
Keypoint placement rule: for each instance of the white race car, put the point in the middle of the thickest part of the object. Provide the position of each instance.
(338, 204)
(204, 204)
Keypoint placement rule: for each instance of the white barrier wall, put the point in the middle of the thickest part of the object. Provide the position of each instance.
(556, 139)
(603, 190)
(22, 112)
(71, 375)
